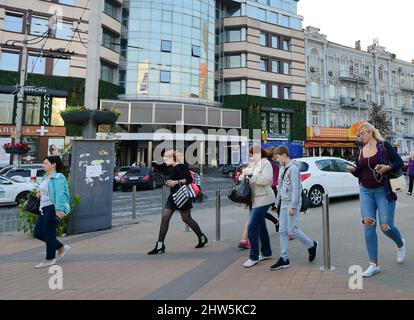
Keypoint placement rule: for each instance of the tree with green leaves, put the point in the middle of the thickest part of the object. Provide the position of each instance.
(380, 120)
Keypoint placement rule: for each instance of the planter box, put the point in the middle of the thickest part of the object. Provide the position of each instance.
(16, 150)
(76, 116)
(104, 117)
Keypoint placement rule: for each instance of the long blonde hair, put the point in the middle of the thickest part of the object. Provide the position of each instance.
(370, 128)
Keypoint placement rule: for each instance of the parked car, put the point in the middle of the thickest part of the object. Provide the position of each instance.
(405, 159)
(329, 175)
(118, 173)
(141, 177)
(25, 174)
(13, 192)
(7, 168)
(229, 170)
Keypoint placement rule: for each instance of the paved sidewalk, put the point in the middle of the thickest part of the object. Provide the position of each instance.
(113, 264)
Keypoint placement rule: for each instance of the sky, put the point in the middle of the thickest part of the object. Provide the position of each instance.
(346, 21)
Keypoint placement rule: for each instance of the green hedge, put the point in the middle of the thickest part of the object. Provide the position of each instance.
(251, 109)
(74, 86)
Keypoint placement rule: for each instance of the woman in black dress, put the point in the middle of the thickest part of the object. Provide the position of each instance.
(179, 175)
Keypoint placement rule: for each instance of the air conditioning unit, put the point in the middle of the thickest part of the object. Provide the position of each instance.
(312, 69)
(330, 73)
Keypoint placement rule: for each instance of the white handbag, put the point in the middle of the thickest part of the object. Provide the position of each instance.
(398, 184)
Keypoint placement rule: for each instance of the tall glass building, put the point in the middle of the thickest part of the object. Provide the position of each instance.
(168, 46)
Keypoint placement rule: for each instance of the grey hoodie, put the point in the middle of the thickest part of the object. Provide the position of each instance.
(289, 190)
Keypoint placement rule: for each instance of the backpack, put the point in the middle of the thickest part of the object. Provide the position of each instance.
(196, 178)
(304, 195)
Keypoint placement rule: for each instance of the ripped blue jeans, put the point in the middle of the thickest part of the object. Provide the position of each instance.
(372, 200)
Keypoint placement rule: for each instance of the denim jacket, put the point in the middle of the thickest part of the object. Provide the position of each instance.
(59, 192)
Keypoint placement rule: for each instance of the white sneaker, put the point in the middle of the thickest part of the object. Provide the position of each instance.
(261, 257)
(402, 252)
(66, 248)
(46, 263)
(250, 263)
(372, 269)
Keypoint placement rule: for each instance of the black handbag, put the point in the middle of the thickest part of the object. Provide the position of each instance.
(241, 192)
(32, 204)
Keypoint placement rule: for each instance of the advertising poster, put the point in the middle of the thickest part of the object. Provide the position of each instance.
(57, 144)
(33, 155)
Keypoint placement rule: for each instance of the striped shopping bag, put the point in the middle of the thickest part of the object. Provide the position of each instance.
(181, 196)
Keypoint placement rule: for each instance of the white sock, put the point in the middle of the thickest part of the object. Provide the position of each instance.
(159, 245)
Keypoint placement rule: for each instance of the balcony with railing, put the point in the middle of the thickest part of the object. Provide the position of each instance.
(350, 76)
(407, 88)
(348, 102)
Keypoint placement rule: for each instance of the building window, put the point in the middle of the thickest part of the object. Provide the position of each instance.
(6, 108)
(286, 93)
(67, 2)
(36, 64)
(236, 87)
(333, 119)
(165, 76)
(286, 67)
(263, 89)
(286, 45)
(264, 64)
(61, 67)
(13, 22)
(108, 73)
(64, 31)
(285, 21)
(275, 91)
(315, 90)
(235, 61)
(315, 118)
(38, 26)
(332, 93)
(9, 61)
(109, 40)
(275, 42)
(32, 112)
(195, 51)
(382, 99)
(381, 73)
(112, 10)
(236, 35)
(275, 66)
(263, 39)
(165, 46)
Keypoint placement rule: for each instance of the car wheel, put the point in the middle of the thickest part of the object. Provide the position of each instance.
(21, 196)
(230, 174)
(315, 196)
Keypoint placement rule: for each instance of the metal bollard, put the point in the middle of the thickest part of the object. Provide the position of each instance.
(326, 239)
(134, 202)
(218, 213)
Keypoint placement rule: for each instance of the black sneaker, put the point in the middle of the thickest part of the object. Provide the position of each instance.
(281, 264)
(312, 251)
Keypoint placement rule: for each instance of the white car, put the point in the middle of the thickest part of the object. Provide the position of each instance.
(329, 175)
(12, 192)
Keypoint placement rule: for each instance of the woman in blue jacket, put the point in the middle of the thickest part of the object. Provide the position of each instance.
(54, 205)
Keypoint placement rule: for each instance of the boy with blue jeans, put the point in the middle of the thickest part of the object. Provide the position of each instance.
(289, 200)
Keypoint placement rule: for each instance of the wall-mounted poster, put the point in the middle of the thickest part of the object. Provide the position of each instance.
(56, 147)
(4, 157)
(33, 155)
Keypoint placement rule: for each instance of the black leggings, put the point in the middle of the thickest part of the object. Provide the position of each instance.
(185, 216)
(410, 188)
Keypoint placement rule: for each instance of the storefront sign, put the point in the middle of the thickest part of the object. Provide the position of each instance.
(45, 111)
(278, 137)
(8, 130)
(283, 123)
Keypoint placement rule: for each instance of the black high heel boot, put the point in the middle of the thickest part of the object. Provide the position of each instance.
(201, 244)
(157, 251)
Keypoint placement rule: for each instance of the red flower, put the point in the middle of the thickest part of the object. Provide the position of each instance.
(12, 145)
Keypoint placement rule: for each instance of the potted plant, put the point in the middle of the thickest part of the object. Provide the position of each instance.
(75, 115)
(16, 148)
(106, 116)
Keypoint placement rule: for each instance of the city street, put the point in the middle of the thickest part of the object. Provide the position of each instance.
(215, 272)
(148, 201)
